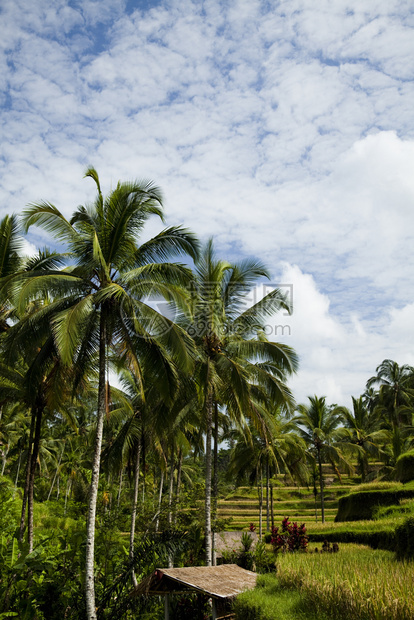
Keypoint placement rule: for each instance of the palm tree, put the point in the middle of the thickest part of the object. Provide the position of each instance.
(364, 433)
(102, 299)
(232, 348)
(318, 425)
(395, 398)
(272, 448)
(33, 378)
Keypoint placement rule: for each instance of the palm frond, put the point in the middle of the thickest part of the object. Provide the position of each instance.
(68, 327)
(47, 216)
(172, 241)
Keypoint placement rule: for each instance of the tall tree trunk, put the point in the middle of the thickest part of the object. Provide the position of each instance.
(261, 505)
(271, 507)
(178, 485)
(267, 497)
(144, 464)
(68, 490)
(18, 471)
(171, 486)
(93, 493)
(27, 478)
(134, 510)
(157, 522)
(119, 487)
(33, 463)
(4, 459)
(56, 473)
(209, 420)
(321, 486)
(170, 497)
(215, 485)
(315, 494)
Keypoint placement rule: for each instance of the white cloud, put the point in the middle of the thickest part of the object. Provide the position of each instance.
(284, 130)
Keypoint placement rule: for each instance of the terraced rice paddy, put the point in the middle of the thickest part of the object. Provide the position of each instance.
(243, 508)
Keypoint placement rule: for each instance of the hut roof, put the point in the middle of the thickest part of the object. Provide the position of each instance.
(224, 581)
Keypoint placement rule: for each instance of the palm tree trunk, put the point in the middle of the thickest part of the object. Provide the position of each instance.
(215, 485)
(27, 480)
(68, 490)
(315, 494)
(4, 455)
(93, 494)
(33, 463)
(119, 487)
(144, 468)
(261, 505)
(209, 420)
(18, 471)
(171, 487)
(170, 497)
(271, 507)
(134, 511)
(178, 485)
(157, 522)
(56, 473)
(267, 497)
(321, 486)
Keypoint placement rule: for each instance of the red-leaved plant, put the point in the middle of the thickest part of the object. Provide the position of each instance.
(291, 537)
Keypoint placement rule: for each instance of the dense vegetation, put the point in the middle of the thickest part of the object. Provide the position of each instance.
(104, 479)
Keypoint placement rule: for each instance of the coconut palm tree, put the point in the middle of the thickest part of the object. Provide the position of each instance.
(232, 349)
(273, 447)
(395, 400)
(101, 299)
(364, 433)
(319, 425)
(33, 376)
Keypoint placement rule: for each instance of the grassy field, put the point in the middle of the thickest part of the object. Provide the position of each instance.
(271, 600)
(357, 582)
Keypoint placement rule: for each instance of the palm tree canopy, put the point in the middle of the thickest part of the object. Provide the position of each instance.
(233, 350)
(396, 391)
(322, 429)
(110, 270)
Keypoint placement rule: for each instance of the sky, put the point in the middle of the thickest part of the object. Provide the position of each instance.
(282, 129)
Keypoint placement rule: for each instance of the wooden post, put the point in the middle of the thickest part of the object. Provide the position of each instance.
(166, 607)
(214, 609)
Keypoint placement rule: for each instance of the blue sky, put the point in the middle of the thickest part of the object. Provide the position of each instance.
(283, 129)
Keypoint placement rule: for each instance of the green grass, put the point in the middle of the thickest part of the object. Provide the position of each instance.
(269, 601)
(357, 582)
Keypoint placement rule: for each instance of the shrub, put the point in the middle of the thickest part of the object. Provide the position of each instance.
(404, 540)
(291, 537)
(405, 466)
(252, 558)
(362, 506)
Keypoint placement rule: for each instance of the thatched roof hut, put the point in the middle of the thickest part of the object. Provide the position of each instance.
(220, 583)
